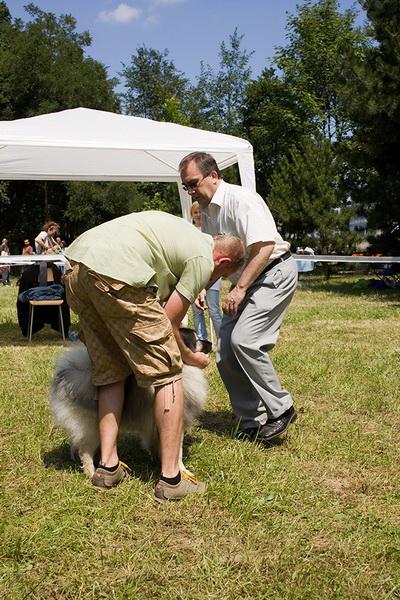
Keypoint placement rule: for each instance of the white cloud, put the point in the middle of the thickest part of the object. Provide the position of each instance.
(151, 20)
(122, 14)
(169, 1)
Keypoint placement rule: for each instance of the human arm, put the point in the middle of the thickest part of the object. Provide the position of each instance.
(40, 241)
(176, 308)
(259, 255)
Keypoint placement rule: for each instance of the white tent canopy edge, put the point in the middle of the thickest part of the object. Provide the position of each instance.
(83, 144)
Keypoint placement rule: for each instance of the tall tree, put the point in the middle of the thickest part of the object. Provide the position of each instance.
(308, 200)
(313, 61)
(44, 68)
(155, 87)
(302, 95)
(275, 118)
(220, 96)
(373, 100)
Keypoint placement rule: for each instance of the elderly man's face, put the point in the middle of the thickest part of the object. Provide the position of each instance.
(201, 187)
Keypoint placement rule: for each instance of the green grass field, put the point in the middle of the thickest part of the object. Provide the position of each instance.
(316, 515)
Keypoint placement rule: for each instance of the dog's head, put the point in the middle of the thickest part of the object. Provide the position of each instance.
(190, 339)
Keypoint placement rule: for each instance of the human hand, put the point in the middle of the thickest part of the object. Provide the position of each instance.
(200, 301)
(199, 360)
(232, 301)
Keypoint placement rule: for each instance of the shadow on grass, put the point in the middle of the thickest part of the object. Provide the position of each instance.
(144, 467)
(223, 423)
(11, 335)
(344, 286)
(130, 451)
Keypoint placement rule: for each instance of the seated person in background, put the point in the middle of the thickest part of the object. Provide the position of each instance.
(45, 242)
(212, 296)
(61, 244)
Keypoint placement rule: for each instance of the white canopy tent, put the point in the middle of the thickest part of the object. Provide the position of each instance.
(91, 145)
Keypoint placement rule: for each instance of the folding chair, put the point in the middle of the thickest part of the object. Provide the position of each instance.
(390, 275)
(46, 277)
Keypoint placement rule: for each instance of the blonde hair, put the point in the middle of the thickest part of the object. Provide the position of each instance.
(193, 208)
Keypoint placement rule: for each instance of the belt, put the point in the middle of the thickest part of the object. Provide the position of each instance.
(275, 262)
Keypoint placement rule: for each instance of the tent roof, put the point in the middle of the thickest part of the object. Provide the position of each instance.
(92, 145)
(82, 144)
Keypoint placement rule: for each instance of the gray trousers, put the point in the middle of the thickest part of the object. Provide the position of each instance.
(245, 340)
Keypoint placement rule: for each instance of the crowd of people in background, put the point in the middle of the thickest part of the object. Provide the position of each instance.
(48, 241)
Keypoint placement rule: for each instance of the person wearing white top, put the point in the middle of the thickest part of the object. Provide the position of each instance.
(44, 241)
(256, 303)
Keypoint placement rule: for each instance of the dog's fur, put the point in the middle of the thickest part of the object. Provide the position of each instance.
(73, 403)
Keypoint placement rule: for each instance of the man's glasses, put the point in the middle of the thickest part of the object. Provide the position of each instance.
(193, 185)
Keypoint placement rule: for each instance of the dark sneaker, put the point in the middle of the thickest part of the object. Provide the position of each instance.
(104, 480)
(188, 485)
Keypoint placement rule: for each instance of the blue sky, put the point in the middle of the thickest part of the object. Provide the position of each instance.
(192, 30)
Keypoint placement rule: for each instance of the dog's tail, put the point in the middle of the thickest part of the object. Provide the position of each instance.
(72, 381)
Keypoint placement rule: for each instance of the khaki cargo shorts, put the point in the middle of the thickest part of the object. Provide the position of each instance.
(125, 329)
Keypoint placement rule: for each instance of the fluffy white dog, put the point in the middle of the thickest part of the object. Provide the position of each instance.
(73, 403)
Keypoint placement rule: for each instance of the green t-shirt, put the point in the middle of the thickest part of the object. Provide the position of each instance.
(148, 249)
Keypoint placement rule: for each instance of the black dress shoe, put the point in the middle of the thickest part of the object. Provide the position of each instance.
(275, 427)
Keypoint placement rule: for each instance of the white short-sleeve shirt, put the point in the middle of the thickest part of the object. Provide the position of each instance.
(241, 212)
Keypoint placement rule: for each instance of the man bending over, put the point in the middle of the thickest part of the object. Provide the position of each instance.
(131, 282)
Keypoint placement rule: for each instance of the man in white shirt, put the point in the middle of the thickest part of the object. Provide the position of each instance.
(256, 303)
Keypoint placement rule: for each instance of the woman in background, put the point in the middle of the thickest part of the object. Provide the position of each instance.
(45, 242)
(212, 297)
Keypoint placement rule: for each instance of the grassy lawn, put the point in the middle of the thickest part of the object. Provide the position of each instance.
(316, 515)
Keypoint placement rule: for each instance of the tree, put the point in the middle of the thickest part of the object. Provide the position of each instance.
(313, 61)
(303, 98)
(92, 203)
(155, 88)
(220, 96)
(44, 69)
(275, 118)
(308, 200)
(372, 97)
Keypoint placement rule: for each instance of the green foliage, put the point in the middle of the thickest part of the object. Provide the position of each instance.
(92, 203)
(220, 96)
(312, 61)
(156, 88)
(303, 99)
(372, 97)
(43, 67)
(308, 201)
(275, 118)
(25, 206)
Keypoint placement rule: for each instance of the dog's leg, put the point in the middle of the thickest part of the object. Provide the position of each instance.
(86, 458)
(86, 449)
